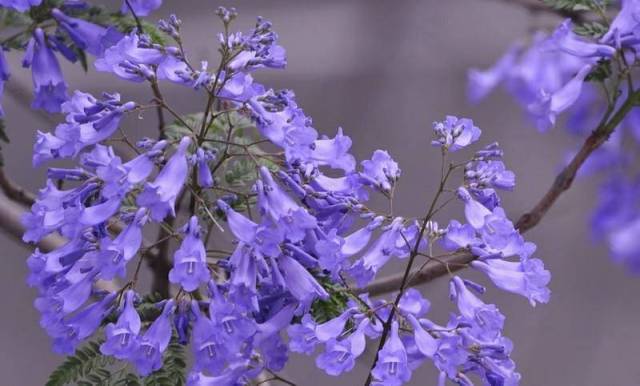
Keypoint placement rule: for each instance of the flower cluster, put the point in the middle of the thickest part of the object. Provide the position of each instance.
(304, 236)
(565, 71)
(71, 37)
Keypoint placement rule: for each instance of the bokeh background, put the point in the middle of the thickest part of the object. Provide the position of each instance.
(384, 71)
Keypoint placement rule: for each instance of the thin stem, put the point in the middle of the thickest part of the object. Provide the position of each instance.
(444, 176)
(528, 220)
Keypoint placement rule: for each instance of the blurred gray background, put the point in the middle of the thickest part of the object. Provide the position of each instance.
(384, 70)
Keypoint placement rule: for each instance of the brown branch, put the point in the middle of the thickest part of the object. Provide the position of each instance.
(562, 182)
(11, 224)
(430, 271)
(14, 191)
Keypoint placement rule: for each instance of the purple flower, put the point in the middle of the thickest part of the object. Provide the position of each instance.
(81, 325)
(140, 7)
(500, 237)
(190, 260)
(392, 367)
(333, 328)
(129, 59)
(381, 171)
(483, 176)
(161, 194)
(425, 344)
(549, 105)
(481, 83)
(209, 351)
(88, 121)
(486, 318)
(122, 337)
(617, 205)
(340, 355)
(86, 35)
(566, 40)
(281, 208)
(148, 355)
(48, 83)
(299, 281)
(474, 211)
(259, 49)
(302, 336)
(280, 120)
(527, 278)
(233, 324)
(413, 303)
(20, 5)
(624, 244)
(205, 179)
(365, 268)
(625, 24)
(334, 250)
(230, 377)
(4, 76)
(115, 254)
(454, 133)
(333, 152)
(457, 236)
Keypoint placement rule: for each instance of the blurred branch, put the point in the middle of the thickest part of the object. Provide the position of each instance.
(436, 268)
(564, 180)
(14, 191)
(11, 224)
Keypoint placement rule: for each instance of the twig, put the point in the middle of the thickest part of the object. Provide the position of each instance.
(564, 180)
(404, 281)
(135, 17)
(527, 221)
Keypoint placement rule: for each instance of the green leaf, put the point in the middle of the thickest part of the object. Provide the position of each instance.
(600, 72)
(578, 5)
(126, 23)
(324, 310)
(87, 363)
(173, 370)
(590, 29)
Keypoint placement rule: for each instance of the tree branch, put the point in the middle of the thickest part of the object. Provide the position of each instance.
(14, 191)
(11, 224)
(562, 183)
